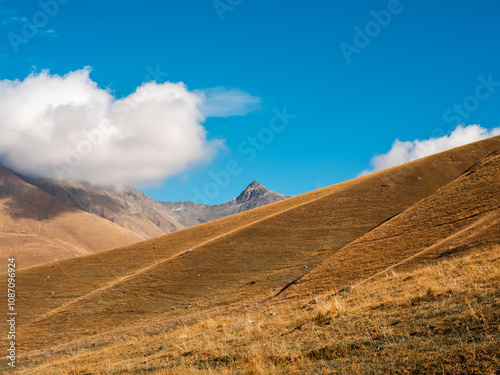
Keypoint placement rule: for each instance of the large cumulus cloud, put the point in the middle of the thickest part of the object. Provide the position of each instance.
(67, 127)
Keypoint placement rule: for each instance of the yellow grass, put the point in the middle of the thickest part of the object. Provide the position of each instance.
(248, 255)
(441, 318)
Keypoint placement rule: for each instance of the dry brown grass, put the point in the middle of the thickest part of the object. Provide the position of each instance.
(252, 254)
(460, 215)
(441, 318)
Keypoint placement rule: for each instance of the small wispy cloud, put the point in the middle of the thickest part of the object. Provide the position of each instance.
(221, 102)
(12, 19)
(49, 33)
(402, 152)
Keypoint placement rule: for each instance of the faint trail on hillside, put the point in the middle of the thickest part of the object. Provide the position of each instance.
(155, 264)
(474, 224)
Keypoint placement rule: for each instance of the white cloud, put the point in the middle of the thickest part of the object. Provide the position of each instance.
(51, 33)
(13, 19)
(402, 152)
(67, 127)
(220, 102)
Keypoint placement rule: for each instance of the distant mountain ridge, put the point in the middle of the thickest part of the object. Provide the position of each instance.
(144, 215)
(254, 195)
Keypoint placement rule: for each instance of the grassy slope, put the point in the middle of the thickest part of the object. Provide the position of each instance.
(441, 318)
(462, 214)
(238, 257)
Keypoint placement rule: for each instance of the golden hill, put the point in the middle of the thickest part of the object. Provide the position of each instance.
(323, 240)
(461, 215)
(37, 228)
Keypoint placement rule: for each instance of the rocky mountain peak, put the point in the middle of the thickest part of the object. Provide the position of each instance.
(254, 191)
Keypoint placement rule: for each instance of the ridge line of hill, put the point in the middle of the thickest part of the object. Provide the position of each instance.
(477, 163)
(437, 225)
(434, 245)
(486, 213)
(488, 218)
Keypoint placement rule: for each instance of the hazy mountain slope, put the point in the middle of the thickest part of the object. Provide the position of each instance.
(461, 215)
(128, 208)
(250, 254)
(36, 227)
(145, 216)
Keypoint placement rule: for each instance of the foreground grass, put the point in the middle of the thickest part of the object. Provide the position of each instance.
(442, 318)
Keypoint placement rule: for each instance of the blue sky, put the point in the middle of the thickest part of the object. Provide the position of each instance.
(402, 85)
